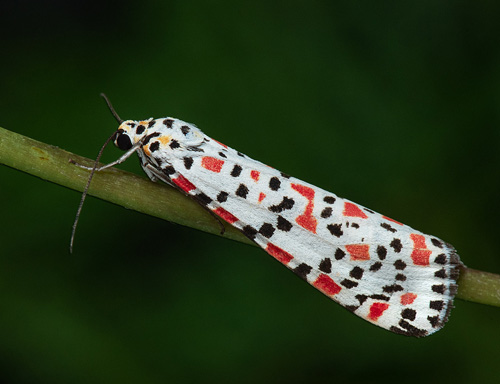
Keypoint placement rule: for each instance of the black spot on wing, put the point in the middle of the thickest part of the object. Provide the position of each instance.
(266, 230)
(409, 314)
(236, 171)
(439, 288)
(242, 191)
(380, 297)
(302, 270)
(326, 213)
(375, 266)
(284, 224)
(140, 129)
(392, 288)
(396, 245)
(388, 227)
(356, 273)
(400, 265)
(400, 277)
(148, 138)
(437, 243)
(185, 130)
(325, 265)
(169, 170)
(274, 183)
(286, 203)
(441, 273)
(174, 144)
(222, 197)
(438, 305)
(381, 252)
(329, 199)
(203, 199)
(335, 229)
(410, 329)
(440, 259)
(349, 283)
(195, 149)
(188, 162)
(361, 298)
(249, 231)
(433, 320)
(339, 254)
(154, 146)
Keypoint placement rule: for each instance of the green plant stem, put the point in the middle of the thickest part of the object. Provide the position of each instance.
(114, 185)
(138, 193)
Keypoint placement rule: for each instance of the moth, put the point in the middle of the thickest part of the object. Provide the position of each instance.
(378, 268)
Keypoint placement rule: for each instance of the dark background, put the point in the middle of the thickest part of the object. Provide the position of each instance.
(391, 104)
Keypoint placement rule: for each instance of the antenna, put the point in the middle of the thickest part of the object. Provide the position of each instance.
(93, 170)
(110, 106)
(85, 191)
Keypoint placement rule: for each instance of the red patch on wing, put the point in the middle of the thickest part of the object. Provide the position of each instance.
(218, 142)
(262, 195)
(212, 164)
(306, 220)
(228, 216)
(278, 253)
(394, 221)
(255, 175)
(184, 183)
(358, 251)
(326, 285)
(420, 254)
(352, 210)
(376, 310)
(408, 298)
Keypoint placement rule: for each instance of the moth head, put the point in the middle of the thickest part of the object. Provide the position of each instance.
(130, 132)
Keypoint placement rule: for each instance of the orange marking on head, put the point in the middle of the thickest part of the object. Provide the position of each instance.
(164, 139)
(146, 150)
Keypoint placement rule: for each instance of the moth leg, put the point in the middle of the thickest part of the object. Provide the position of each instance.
(163, 177)
(122, 158)
(221, 224)
(146, 168)
(159, 175)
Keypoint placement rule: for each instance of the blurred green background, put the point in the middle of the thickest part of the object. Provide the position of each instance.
(394, 105)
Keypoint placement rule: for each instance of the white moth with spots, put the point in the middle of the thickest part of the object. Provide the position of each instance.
(383, 271)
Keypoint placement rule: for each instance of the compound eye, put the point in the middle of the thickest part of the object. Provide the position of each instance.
(123, 142)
